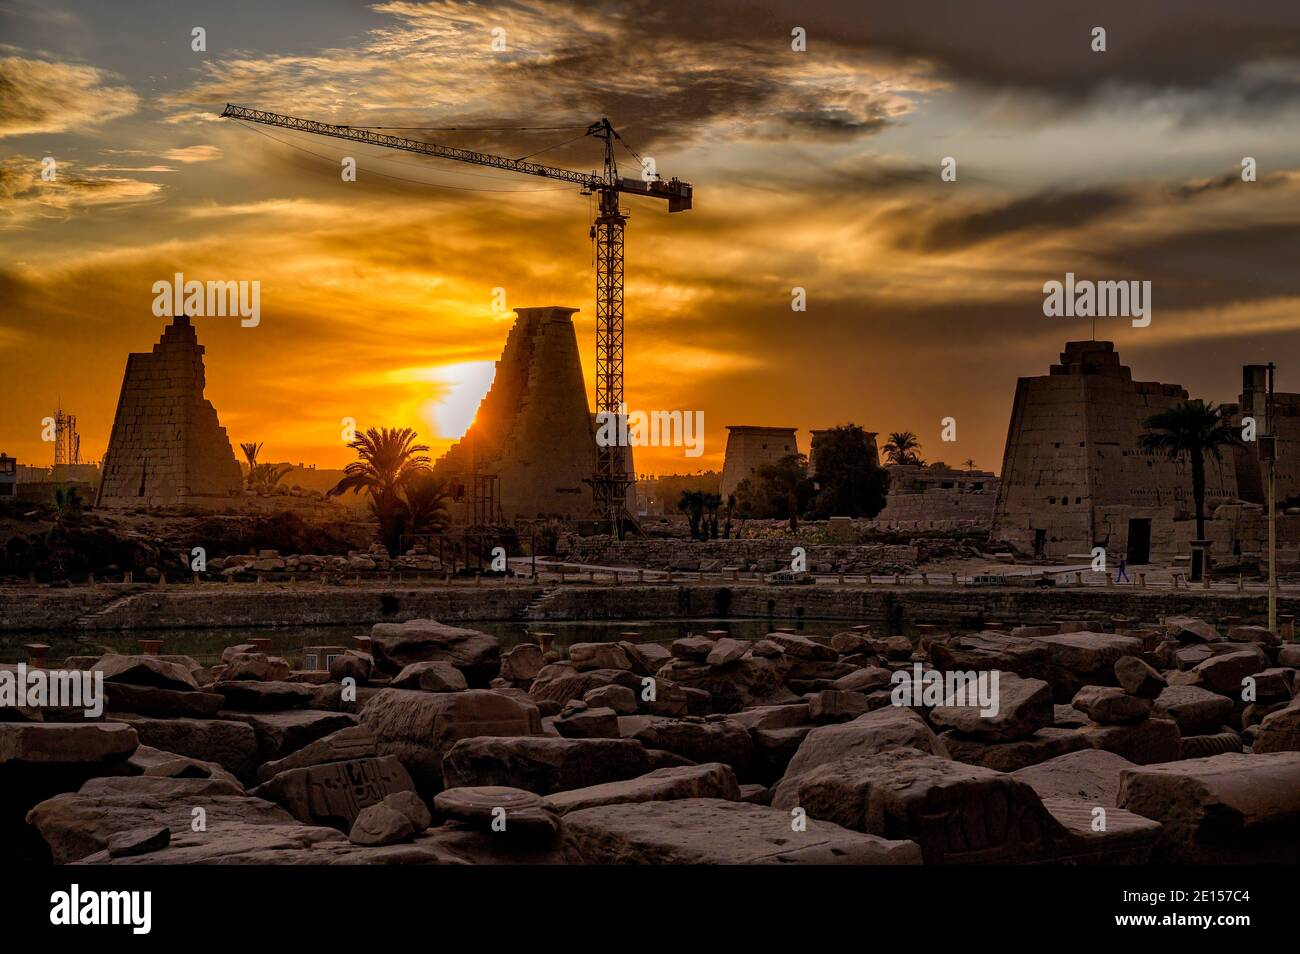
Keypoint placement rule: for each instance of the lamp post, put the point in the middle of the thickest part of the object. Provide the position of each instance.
(1268, 454)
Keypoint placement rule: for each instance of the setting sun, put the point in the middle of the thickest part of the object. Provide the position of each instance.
(450, 416)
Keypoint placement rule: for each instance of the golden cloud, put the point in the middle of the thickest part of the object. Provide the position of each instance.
(27, 196)
(37, 96)
(201, 153)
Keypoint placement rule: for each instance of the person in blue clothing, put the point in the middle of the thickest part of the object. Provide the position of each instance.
(1123, 571)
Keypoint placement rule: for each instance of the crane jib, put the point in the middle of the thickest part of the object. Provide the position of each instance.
(677, 193)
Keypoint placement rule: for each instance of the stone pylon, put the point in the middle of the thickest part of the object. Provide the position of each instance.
(167, 447)
(1075, 475)
(532, 437)
(749, 448)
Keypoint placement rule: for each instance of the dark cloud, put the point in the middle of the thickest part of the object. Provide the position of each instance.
(1046, 47)
(1238, 55)
(1201, 267)
(929, 228)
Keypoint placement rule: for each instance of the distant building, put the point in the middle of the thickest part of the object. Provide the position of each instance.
(748, 448)
(532, 447)
(32, 474)
(75, 474)
(1075, 476)
(936, 496)
(1251, 482)
(818, 436)
(8, 475)
(920, 478)
(167, 447)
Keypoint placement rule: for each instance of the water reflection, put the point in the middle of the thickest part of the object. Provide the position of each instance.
(205, 645)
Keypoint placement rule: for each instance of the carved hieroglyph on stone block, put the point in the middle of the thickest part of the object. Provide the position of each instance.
(335, 793)
(167, 446)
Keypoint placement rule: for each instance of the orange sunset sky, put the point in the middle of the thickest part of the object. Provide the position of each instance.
(818, 169)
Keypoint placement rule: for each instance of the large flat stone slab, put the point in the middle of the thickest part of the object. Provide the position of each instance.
(1089, 653)
(1048, 743)
(279, 733)
(1089, 775)
(292, 844)
(1279, 731)
(145, 671)
(420, 727)
(957, 813)
(154, 701)
(889, 728)
(77, 824)
(697, 831)
(63, 743)
(1196, 710)
(394, 646)
(701, 740)
(232, 745)
(42, 759)
(1226, 809)
(709, 780)
(264, 696)
(543, 764)
(988, 650)
(1023, 706)
(1144, 743)
(1118, 837)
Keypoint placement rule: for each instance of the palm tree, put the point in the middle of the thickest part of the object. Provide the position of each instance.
(67, 503)
(264, 478)
(250, 453)
(67, 507)
(691, 503)
(711, 504)
(969, 463)
(1194, 428)
(426, 498)
(389, 459)
(901, 448)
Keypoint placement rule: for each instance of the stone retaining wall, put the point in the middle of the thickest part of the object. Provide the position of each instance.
(760, 554)
(890, 608)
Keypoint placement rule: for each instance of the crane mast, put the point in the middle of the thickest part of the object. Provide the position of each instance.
(610, 481)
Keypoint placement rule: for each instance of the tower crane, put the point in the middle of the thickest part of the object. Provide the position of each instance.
(610, 481)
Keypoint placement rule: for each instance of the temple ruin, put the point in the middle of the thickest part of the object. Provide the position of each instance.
(938, 497)
(532, 445)
(1074, 474)
(749, 447)
(167, 447)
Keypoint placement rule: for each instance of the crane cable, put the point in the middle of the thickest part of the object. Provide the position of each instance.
(386, 175)
(549, 148)
(470, 128)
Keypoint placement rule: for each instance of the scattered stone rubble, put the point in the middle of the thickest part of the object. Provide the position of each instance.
(269, 562)
(1172, 743)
